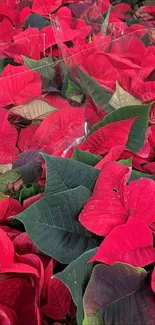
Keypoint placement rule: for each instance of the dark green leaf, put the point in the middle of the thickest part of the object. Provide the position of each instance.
(119, 294)
(1, 65)
(70, 89)
(85, 157)
(98, 93)
(53, 226)
(76, 276)
(146, 39)
(136, 174)
(36, 20)
(138, 129)
(44, 66)
(64, 174)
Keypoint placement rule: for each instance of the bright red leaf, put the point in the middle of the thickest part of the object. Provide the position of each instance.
(8, 139)
(45, 7)
(56, 295)
(59, 130)
(108, 136)
(112, 155)
(27, 44)
(131, 243)
(18, 84)
(25, 137)
(105, 210)
(23, 245)
(9, 207)
(8, 316)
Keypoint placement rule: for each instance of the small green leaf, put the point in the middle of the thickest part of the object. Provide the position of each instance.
(3, 196)
(27, 191)
(53, 226)
(71, 90)
(76, 276)
(44, 66)
(146, 39)
(1, 65)
(85, 157)
(138, 129)
(126, 162)
(64, 174)
(98, 93)
(10, 176)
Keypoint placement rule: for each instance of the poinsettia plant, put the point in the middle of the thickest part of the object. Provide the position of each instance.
(77, 162)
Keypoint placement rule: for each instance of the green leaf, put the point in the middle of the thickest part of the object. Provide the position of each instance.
(3, 196)
(53, 226)
(119, 294)
(71, 90)
(136, 174)
(64, 174)
(98, 93)
(27, 192)
(76, 276)
(146, 39)
(138, 129)
(44, 66)
(106, 21)
(1, 65)
(126, 162)
(10, 176)
(85, 157)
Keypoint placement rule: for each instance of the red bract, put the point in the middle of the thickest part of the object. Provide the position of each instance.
(92, 113)
(31, 200)
(27, 43)
(105, 210)
(25, 137)
(6, 11)
(112, 155)
(18, 84)
(23, 245)
(131, 243)
(113, 202)
(108, 136)
(8, 136)
(45, 7)
(19, 293)
(7, 31)
(53, 36)
(8, 316)
(57, 296)
(101, 69)
(9, 207)
(59, 129)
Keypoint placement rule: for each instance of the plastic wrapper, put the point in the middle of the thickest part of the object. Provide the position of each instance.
(111, 64)
(65, 65)
(61, 73)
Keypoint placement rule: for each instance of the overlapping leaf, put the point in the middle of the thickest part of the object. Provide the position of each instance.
(53, 226)
(64, 174)
(118, 294)
(123, 245)
(108, 136)
(113, 201)
(138, 129)
(76, 276)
